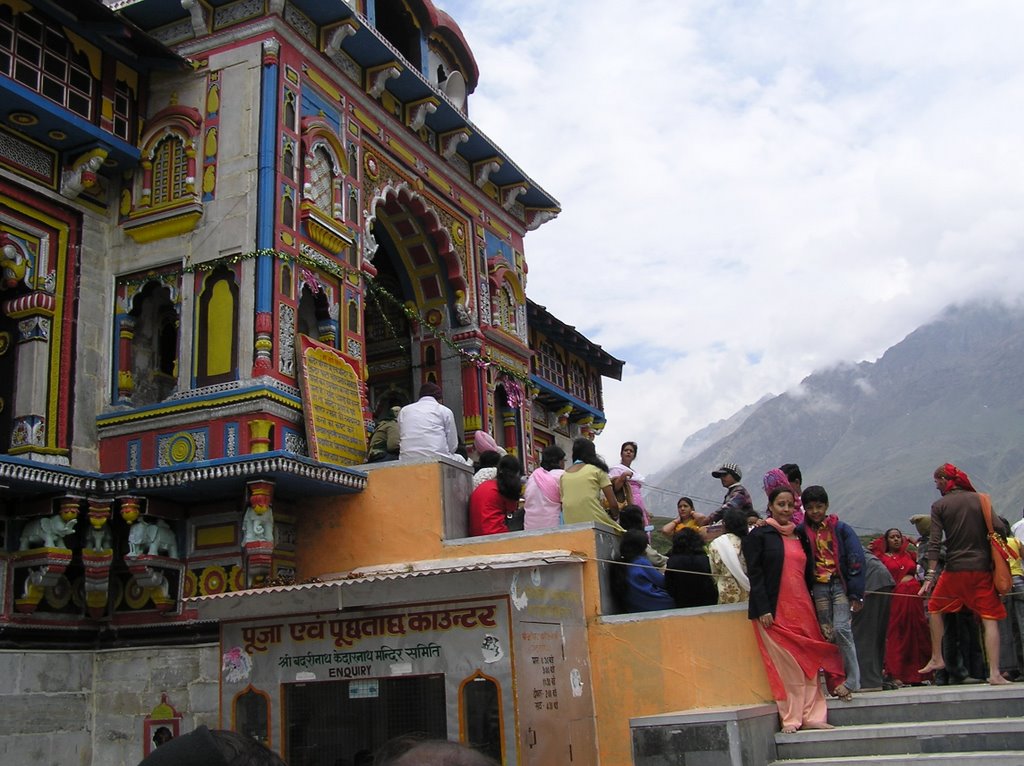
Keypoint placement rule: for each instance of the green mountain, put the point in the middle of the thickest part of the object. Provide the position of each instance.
(872, 433)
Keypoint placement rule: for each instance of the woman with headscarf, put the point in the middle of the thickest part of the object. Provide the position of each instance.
(907, 644)
(774, 479)
(542, 496)
(781, 569)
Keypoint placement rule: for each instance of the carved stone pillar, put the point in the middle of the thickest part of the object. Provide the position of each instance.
(125, 381)
(258, 532)
(34, 313)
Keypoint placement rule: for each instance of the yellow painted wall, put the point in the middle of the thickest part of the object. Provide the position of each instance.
(396, 518)
(655, 665)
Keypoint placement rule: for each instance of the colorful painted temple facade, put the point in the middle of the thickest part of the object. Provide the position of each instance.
(232, 234)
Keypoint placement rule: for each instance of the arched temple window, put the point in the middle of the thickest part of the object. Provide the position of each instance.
(154, 349)
(170, 170)
(217, 360)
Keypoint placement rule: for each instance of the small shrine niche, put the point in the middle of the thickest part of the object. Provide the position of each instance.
(162, 725)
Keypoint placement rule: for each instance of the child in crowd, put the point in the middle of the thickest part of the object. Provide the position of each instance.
(838, 589)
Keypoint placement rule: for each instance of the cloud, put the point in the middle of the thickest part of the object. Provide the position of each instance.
(752, 191)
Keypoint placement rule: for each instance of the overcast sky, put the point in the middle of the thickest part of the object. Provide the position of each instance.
(754, 191)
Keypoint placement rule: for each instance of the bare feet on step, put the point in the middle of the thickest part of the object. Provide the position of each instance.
(790, 729)
(932, 666)
(997, 680)
(818, 725)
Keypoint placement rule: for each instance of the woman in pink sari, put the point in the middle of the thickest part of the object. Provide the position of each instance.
(780, 566)
(542, 497)
(623, 473)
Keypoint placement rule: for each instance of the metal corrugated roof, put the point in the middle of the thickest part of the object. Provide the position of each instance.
(327, 595)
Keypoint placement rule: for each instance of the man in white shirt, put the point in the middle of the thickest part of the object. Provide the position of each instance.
(426, 427)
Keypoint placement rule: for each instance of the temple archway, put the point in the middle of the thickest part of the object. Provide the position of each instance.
(409, 307)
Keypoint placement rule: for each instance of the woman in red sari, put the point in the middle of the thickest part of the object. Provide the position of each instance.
(780, 567)
(907, 644)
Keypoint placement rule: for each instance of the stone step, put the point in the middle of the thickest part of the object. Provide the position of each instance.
(904, 738)
(996, 758)
(928, 703)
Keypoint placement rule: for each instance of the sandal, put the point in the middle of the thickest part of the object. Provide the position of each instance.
(842, 693)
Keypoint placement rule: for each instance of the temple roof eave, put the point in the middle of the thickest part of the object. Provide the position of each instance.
(294, 477)
(542, 320)
(370, 50)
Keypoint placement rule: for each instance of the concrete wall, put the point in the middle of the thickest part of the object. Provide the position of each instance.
(642, 665)
(85, 708)
(675, 660)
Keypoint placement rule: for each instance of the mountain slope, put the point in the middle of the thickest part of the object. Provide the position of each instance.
(872, 433)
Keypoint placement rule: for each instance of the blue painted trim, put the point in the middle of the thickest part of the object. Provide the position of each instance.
(569, 398)
(266, 197)
(66, 116)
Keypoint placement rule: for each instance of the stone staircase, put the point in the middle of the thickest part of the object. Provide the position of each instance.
(967, 725)
(930, 725)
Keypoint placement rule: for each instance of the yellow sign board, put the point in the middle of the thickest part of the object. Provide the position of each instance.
(331, 404)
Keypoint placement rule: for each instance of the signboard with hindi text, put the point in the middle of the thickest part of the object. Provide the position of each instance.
(331, 404)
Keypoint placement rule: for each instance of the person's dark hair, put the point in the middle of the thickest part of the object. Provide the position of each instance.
(633, 543)
(631, 517)
(488, 459)
(417, 751)
(510, 477)
(687, 540)
(212, 747)
(431, 389)
(814, 494)
(778, 491)
(792, 471)
(584, 450)
(688, 500)
(735, 520)
(552, 457)
(362, 758)
(636, 449)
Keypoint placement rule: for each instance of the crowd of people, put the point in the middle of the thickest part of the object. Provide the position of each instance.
(823, 606)
(907, 609)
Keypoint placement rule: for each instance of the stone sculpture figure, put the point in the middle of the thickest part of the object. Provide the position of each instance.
(149, 539)
(46, 532)
(257, 526)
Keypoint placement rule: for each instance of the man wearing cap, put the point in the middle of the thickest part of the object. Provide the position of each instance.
(426, 427)
(736, 495)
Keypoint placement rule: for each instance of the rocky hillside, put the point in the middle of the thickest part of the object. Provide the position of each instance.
(872, 433)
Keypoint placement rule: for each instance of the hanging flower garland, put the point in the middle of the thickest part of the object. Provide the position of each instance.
(516, 382)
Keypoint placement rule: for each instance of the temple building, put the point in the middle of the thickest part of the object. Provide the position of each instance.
(233, 234)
